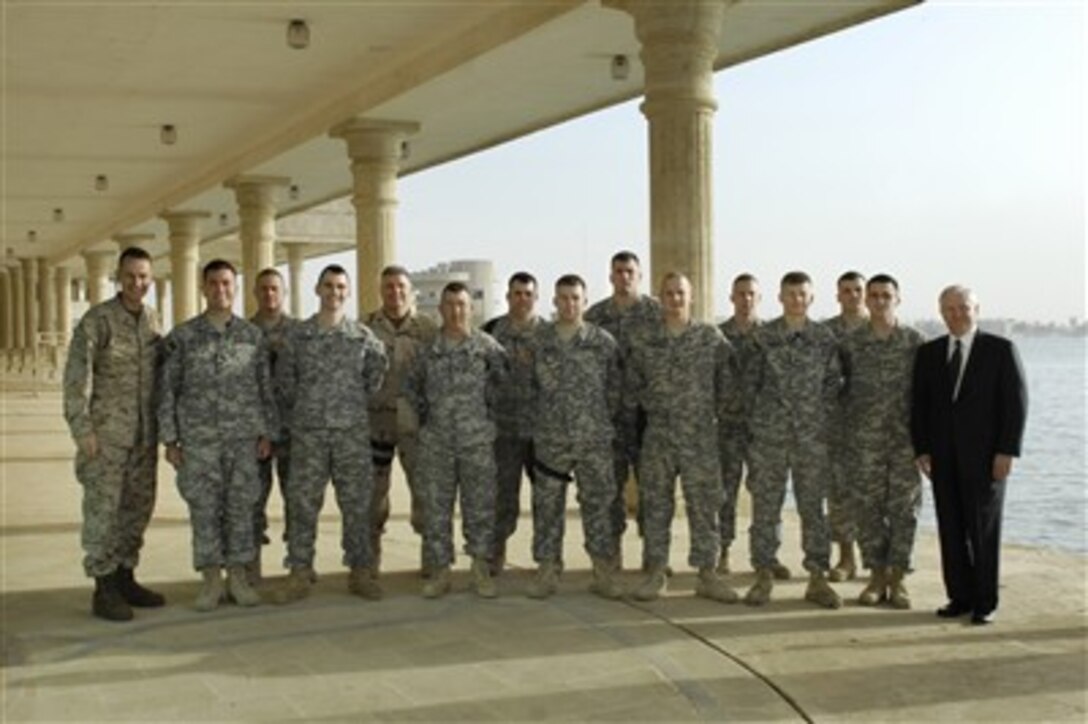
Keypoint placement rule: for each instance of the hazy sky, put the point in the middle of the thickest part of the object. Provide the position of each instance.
(942, 144)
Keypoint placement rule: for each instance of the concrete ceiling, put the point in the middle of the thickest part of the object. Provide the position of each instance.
(87, 85)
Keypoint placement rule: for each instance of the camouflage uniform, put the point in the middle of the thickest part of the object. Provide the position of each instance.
(733, 429)
(685, 383)
(326, 378)
(394, 426)
(275, 334)
(109, 381)
(451, 386)
(877, 402)
(513, 420)
(794, 380)
(217, 401)
(841, 498)
(630, 422)
(578, 386)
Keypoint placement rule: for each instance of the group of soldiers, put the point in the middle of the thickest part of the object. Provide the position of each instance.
(630, 393)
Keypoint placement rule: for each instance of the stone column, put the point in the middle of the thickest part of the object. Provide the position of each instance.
(100, 263)
(256, 196)
(7, 321)
(184, 259)
(162, 289)
(30, 302)
(62, 285)
(47, 299)
(296, 255)
(18, 307)
(375, 150)
(679, 42)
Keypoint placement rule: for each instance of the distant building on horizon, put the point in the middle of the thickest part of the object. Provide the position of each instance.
(477, 274)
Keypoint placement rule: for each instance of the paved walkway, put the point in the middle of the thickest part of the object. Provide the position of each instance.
(334, 657)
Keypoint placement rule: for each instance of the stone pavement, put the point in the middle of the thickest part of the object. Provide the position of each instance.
(573, 657)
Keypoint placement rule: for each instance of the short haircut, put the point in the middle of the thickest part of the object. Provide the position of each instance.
(133, 252)
(268, 272)
(675, 276)
(395, 270)
(850, 276)
(570, 280)
(794, 278)
(521, 277)
(218, 265)
(625, 257)
(332, 269)
(455, 288)
(744, 277)
(882, 279)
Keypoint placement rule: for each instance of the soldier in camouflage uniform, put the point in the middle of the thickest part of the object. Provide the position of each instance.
(879, 360)
(681, 373)
(217, 417)
(794, 382)
(329, 368)
(394, 426)
(513, 405)
(452, 386)
(109, 382)
(275, 323)
(620, 315)
(576, 377)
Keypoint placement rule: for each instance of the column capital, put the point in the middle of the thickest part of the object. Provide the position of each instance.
(172, 214)
(370, 138)
(254, 190)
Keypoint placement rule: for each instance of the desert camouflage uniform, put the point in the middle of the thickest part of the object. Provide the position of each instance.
(733, 429)
(889, 486)
(578, 393)
(110, 378)
(451, 386)
(275, 334)
(685, 383)
(326, 377)
(794, 381)
(841, 497)
(217, 401)
(513, 420)
(394, 426)
(630, 421)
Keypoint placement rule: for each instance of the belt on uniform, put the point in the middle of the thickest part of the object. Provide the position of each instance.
(382, 453)
(552, 472)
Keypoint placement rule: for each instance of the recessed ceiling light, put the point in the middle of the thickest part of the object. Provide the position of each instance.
(101, 182)
(168, 134)
(58, 214)
(298, 34)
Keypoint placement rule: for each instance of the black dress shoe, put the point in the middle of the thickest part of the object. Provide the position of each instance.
(953, 609)
(983, 618)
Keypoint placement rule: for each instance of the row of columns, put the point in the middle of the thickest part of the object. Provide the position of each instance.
(679, 44)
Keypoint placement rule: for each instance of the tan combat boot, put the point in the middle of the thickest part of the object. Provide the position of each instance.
(847, 568)
(876, 590)
(780, 571)
(604, 582)
(820, 592)
(107, 601)
(653, 585)
(897, 590)
(711, 586)
(297, 586)
(723, 563)
(211, 592)
(253, 570)
(760, 592)
(364, 584)
(238, 587)
(545, 582)
(438, 584)
(482, 580)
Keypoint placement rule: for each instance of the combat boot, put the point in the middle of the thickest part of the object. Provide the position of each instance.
(238, 587)
(652, 586)
(760, 592)
(211, 591)
(107, 601)
(723, 563)
(482, 580)
(438, 584)
(897, 590)
(363, 583)
(820, 592)
(253, 570)
(711, 586)
(135, 594)
(876, 590)
(780, 571)
(297, 586)
(604, 582)
(545, 582)
(847, 568)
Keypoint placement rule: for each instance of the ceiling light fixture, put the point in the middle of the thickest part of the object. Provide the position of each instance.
(294, 192)
(58, 214)
(621, 67)
(405, 150)
(223, 218)
(168, 134)
(298, 34)
(32, 236)
(101, 182)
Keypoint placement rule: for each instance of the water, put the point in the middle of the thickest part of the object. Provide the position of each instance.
(1045, 501)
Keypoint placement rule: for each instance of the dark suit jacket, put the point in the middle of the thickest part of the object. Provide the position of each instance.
(987, 418)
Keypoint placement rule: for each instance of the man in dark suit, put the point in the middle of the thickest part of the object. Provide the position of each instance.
(969, 404)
